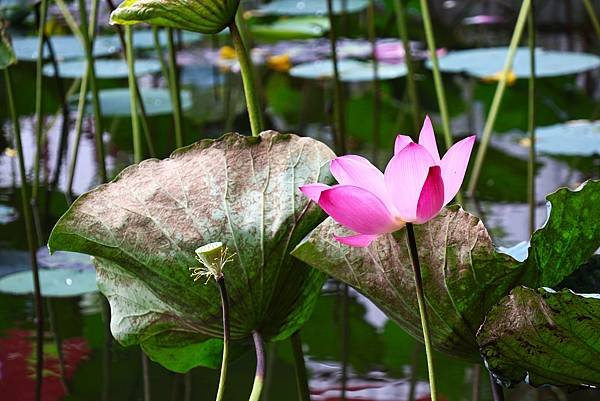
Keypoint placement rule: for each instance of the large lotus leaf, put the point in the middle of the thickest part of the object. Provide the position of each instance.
(464, 275)
(204, 16)
(145, 225)
(544, 337)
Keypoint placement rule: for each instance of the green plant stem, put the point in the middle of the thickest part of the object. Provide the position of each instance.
(174, 88)
(78, 127)
(414, 256)
(491, 118)
(142, 107)
(31, 239)
(497, 392)
(39, 96)
(91, 68)
(300, 368)
(531, 125)
(437, 75)
(338, 91)
(146, 376)
(410, 76)
(476, 384)
(226, 336)
(135, 123)
(159, 51)
(250, 89)
(376, 82)
(259, 377)
(593, 16)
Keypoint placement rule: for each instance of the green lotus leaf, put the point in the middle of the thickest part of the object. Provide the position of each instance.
(144, 226)
(544, 337)
(7, 55)
(204, 16)
(464, 275)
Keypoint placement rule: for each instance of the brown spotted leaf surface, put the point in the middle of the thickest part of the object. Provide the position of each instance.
(544, 337)
(464, 275)
(144, 226)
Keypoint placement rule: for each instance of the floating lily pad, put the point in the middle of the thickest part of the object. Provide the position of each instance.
(309, 7)
(292, 28)
(201, 76)
(54, 283)
(349, 70)
(12, 261)
(8, 214)
(486, 62)
(575, 138)
(544, 337)
(115, 102)
(105, 69)
(63, 259)
(144, 226)
(65, 47)
(464, 275)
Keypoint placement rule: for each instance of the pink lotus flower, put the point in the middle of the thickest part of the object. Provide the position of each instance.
(414, 188)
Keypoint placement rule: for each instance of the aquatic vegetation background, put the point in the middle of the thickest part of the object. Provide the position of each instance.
(111, 96)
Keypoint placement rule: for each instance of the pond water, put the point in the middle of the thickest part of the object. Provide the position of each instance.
(353, 351)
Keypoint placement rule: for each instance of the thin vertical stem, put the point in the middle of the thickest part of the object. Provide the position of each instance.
(159, 51)
(410, 77)
(497, 392)
(78, 127)
(91, 68)
(414, 256)
(437, 75)
(31, 240)
(338, 90)
(57, 344)
(146, 376)
(300, 368)
(135, 123)
(491, 119)
(174, 88)
(376, 82)
(259, 377)
(226, 336)
(476, 382)
(593, 16)
(39, 96)
(250, 88)
(531, 125)
(345, 338)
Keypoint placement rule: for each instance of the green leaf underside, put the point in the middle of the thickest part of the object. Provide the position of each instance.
(464, 275)
(206, 16)
(145, 225)
(544, 337)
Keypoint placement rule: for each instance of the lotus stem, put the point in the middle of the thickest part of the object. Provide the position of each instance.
(259, 377)
(226, 337)
(78, 126)
(437, 75)
(410, 77)
(300, 368)
(531, 125)
(250, 88)
(57, 344)
(135, 123)
(146, 376)
(31, 240)
(414, 256)
(159, 51)
(345, 337)
(174, 88)
(497, 392)
(491, 119)
(338, 90)
(39, 96)
(89, 57)
(593, 16)
(140, 101)
(376, 83)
